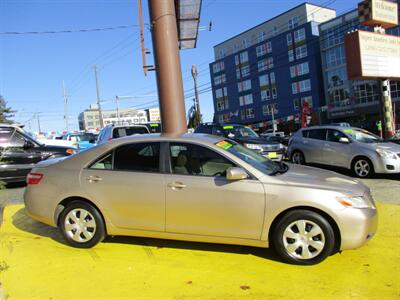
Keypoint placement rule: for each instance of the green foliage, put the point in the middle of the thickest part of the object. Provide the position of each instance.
(5, 112)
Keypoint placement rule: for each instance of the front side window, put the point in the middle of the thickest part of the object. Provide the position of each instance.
(334, 135)
(189, 159)
(138, 157)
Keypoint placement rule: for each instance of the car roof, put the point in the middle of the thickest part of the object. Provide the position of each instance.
(331, 127)
(206, 138)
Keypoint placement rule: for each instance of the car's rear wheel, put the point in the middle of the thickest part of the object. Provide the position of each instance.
(362, 167)
(303, 237)
(298, 158)
(82, 225)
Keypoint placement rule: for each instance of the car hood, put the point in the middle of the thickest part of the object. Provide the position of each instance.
(322, 179)
(258, 141)
(384, 146)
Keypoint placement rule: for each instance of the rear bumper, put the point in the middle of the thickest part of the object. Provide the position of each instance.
(357, 226)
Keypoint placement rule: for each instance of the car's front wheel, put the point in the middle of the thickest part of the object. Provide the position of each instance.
(81, 225)
(298, 158)
(303, 237)
(362, 167)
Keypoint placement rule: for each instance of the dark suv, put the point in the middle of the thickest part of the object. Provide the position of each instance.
(19, 152)
(245, 136)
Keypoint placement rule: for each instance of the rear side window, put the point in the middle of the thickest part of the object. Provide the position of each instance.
(126, 131)
(317, 134)
(138, 157)
(305, 133)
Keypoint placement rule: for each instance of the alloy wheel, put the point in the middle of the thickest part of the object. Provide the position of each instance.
(362, 168)
(298, 158)
(303, 239)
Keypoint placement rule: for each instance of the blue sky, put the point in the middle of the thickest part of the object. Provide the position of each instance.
(33, 66)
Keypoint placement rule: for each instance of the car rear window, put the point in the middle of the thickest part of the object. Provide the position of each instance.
(125, 131)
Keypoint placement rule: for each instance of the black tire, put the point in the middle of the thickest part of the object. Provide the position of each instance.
(298, 158)
(94, 234)
(312, 220)
(362, 167)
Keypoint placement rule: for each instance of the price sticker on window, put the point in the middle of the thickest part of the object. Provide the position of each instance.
(224, 145)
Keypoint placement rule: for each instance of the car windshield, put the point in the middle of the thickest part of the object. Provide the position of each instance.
(362, 136)
(235, 132)
(261, 163)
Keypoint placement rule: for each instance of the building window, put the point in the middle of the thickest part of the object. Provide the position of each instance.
(268, 109)
(337, 77)
(221, 96)
(249, 113)
(241, 58)
(296, 104)
(262, 36)
(245, 43)
(243, 114)
(301, 52)
(244, 85)
(218, 67)
(274, 93)
(262, 65)
(265, 95)
(222, 53)
(291, 55)
(246, 100)
(301, 86)
(272, 77)
(219, 79)
(335, 57)
(289, 39)
(299, 35)
(299, 70)
(293, 22)
(264, 80)
(264, 49)
(308, 100)
(275, 31)
(366, 92)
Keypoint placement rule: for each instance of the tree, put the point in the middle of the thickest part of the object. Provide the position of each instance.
(5, 112)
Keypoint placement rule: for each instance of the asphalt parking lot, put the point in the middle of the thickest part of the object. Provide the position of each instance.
(36, 264)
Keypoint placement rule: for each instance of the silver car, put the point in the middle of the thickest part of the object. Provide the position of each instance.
(348, 147)
(200, 188)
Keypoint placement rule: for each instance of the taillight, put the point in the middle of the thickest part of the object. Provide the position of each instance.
(34, 178)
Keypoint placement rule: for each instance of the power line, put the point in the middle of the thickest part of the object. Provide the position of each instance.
(67, 31)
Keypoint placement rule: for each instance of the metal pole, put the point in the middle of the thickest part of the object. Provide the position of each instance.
(273, 118)
(387, 109)
(38, 120)
(117, 105)
(98, 98)
(168, 65)
(65, 107)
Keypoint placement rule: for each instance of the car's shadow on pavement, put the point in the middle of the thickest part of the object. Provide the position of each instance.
(23, 222)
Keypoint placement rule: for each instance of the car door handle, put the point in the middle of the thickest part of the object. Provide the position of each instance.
(176, 185)
(94, 179)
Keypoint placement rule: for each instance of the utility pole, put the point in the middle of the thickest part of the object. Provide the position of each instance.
(38, 120)
(168, 65)
(117, 105)
(98, 97)
(196, 93)
(273, 118)
(387, 109)
(65, 107)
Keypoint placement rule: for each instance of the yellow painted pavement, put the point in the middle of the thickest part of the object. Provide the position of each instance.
(35, 264)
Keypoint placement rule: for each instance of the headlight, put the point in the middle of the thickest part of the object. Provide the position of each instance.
(386, 154)
(355, 202)
(253, 147)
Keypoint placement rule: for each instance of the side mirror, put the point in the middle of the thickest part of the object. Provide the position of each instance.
(92, 141)
(236, 174)
(28, 145)
(344, 140)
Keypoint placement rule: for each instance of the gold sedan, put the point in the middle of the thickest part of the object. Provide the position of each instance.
(200, 188)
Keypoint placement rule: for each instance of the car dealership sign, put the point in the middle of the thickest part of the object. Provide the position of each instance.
(378, 13)
(372, 56)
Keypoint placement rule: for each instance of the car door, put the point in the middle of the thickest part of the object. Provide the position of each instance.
(336, 153)
(201, 201)
(315, 144)
(18, 152)
(128, 185)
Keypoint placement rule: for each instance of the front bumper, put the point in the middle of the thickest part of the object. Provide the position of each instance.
(387, 165)
(357, 226)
